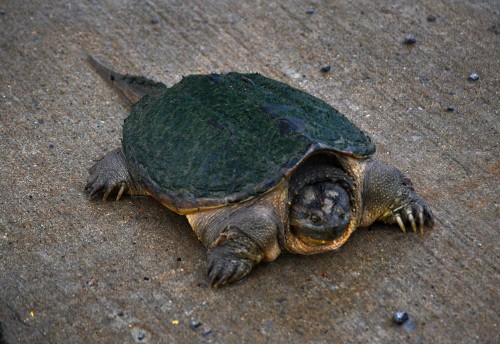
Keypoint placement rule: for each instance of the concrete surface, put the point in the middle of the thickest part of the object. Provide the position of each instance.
(75, 271)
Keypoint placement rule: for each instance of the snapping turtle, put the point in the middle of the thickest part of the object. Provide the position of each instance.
(258, 167)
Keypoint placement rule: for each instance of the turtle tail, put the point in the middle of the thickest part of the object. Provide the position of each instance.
(132, 87)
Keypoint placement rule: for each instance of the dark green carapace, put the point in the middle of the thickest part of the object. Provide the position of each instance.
(215, 139)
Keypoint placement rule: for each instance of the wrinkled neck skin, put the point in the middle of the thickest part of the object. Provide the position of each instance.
(320, 165)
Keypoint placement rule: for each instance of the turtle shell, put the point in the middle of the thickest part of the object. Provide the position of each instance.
(218, 139)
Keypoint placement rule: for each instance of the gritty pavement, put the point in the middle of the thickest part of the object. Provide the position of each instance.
(80, 271)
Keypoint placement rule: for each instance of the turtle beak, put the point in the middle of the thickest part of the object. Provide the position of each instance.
(321, 233)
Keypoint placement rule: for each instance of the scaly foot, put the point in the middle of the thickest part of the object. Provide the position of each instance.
(109, 175)
(416, 212)
(232, 257)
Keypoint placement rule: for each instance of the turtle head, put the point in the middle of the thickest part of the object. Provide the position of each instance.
(321, 201)
(320, 212)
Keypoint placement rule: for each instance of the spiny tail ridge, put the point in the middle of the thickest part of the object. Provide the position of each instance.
(132, 87)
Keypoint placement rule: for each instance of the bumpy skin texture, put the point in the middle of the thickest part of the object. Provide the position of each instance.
(389, 196)
(232, 256)
(240, 236)
(110, 176)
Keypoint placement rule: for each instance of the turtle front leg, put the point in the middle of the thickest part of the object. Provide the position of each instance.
(232, 257)
(238, 237)
(389, 196)
(110, 175)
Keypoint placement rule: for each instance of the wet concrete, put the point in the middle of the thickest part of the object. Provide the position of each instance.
(75, 271)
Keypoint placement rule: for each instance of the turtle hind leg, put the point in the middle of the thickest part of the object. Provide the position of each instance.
(110, 176)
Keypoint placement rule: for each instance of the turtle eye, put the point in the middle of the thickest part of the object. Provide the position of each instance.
(315, 218)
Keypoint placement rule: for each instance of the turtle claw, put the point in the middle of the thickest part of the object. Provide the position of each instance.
(97, 185)
(400, 223)
(111, 188)
(225, 267)
(107, 192)
(412, 222)
(123, 188)
(416, 214)
(109, 175)
(232, 257)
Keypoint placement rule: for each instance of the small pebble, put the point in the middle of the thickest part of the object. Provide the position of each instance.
(207, 331)
(310, 11)
(51, 145)
(195, 324)
(326, 69)
(473, 77)
(2, 11)
(450, 108)
(139, 335)
(40, 121)
(431, 18)
(410, 39)
(155, 21)
(400, 317)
